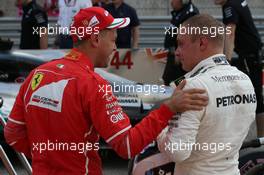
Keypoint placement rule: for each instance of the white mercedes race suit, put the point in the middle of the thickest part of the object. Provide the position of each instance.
(207, 142)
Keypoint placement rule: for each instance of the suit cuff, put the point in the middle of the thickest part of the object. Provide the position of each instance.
(165, 111)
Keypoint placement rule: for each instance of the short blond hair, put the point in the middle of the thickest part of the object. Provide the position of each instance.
(205, 21)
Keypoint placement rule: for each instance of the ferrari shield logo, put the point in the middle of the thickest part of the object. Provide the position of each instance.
(36, 80)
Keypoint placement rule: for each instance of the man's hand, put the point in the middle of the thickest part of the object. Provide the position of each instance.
(184, 100)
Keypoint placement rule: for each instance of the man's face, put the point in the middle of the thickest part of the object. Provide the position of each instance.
(187, 51)
(220, 2)
(106, 46)
(176, 4)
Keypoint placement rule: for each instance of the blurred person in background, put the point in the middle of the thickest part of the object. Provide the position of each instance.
(246, 42)
(182, 10)
(127, 37)
(100, 3)
(34, 21)
(67, 9)
(18, 4)
(1, 13)
(51, 6)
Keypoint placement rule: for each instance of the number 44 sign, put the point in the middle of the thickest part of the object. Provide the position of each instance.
(117, 60)
(140, 65)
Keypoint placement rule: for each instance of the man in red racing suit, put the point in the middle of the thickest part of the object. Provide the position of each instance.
(64, 106)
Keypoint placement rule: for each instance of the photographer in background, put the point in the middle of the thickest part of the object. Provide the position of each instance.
(127, 37)
(67, 10)
(34, 17)
(246, 42)
(182, 10)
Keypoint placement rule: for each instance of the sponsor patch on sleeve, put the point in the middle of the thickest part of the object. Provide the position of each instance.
(49, 96)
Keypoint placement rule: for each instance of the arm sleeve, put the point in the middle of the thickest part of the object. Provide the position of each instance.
(177, 139)
(15, 131)
(134, 18)
(113, 124)
(230, 15)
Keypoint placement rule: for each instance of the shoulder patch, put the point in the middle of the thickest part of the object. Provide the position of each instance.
(49, 96)
(40, 18)
(228, 12)
(73, 55)
(36, 80)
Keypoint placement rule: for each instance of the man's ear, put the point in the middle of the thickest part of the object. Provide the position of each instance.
(94, 40)
(203, 43)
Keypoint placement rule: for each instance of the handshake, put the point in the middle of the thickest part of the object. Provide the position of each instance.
(189, 99)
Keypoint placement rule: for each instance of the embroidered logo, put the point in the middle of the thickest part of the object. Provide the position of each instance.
(37, 78)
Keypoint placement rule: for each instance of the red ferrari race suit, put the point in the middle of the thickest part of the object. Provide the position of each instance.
(61, 110)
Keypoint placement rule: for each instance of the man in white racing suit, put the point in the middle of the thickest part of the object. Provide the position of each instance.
(207, 142)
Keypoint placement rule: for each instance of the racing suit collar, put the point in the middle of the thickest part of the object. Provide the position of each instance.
(214, 60)
(78, 56)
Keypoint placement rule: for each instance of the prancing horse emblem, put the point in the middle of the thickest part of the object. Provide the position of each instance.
(36, 80)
